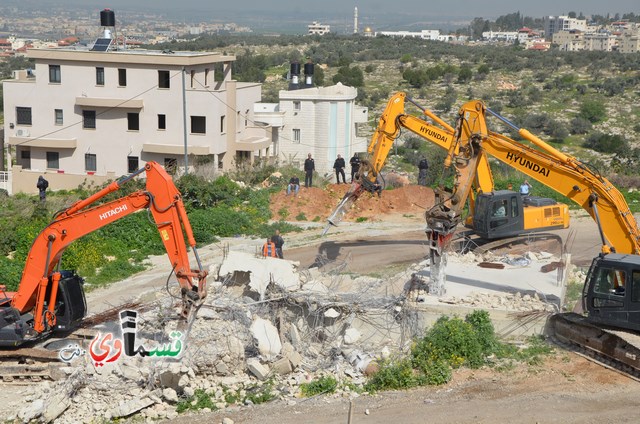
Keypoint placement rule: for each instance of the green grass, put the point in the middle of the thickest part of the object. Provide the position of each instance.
(323, 385)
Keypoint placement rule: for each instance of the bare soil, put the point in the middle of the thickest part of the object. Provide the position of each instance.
(564, 389)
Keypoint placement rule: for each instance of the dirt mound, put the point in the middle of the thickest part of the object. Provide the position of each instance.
(317, 204)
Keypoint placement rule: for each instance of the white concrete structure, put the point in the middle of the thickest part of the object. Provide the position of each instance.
(318, 120)
(105, 114)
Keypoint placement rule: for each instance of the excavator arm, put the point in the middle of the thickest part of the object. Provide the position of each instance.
(392, 121)
(563, 173)
(38, 288)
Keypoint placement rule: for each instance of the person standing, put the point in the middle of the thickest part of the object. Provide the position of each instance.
(269, 249)
(309, 167)
(355, 165)
(294, 185)
(278, 241)
(423, 166)
(525, 188)
(42, 186)
(339, 165)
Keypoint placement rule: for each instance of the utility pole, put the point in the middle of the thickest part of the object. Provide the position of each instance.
(184, 123)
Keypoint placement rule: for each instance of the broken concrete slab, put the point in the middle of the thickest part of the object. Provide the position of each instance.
(259, 370)
(282, 366)
(351, 335)
(267, 336)
(262, 271)
(131, 407)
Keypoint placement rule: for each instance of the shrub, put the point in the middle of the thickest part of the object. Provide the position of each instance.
(593, 111)
(606, 143)
(325, 384)
(451, 340)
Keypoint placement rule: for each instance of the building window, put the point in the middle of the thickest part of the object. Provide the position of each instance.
(163, 79)
(133, 121)
(99, 76)
(170, 165)
(206, 77)
(58, 116)
(53, 160)
(90, 162)
(23, 115)
(193, 78)
(132, 164)
(122, 77)
(246, 118)
(296, 135)
(296, 105)
(199, 124)
(89, 119)
(54, 74)
(25, 159)
(162, 122)
(222, 125)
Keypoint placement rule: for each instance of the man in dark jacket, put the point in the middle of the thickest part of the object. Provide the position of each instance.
(42, 186)
(278, 241)
(355, 165)
(423, 166)
(309, 167)
(339, 165)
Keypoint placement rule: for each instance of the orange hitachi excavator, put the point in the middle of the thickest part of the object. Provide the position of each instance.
(49, 299)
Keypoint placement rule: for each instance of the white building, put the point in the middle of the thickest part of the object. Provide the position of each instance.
(316, 28)
(98, 115)
(317, 120)
(425, 34)
(503, 36)
(553, 24)
(569, 41)
(599, 41)
(630, 40)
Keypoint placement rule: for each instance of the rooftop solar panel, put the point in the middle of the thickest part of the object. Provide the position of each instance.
(101, 45)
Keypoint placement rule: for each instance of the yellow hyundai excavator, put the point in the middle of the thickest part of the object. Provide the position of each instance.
(611, 293)
(492, 214)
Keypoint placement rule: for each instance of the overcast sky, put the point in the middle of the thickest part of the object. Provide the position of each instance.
(425, 9)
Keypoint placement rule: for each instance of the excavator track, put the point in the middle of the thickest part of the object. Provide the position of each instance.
(466, 242)
(614, 349)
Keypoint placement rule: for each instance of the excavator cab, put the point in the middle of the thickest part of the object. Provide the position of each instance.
(612, 291)
(498, 214)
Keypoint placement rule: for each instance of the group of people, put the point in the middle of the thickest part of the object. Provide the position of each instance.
(310, 166)
(273, 246)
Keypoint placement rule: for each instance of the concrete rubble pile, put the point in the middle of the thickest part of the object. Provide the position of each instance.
(264, 323)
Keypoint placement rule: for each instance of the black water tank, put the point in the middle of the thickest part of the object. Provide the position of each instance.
(107, 18)
(295, 68)
(308, 68)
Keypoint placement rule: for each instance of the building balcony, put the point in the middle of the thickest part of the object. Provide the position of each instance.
(254, 138)
(109, 103)
(23, 138)
(175, 149)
